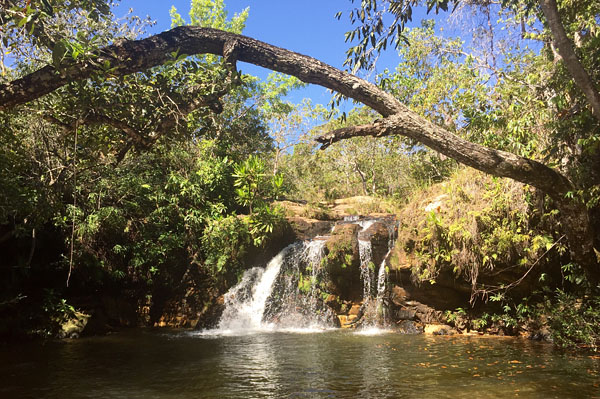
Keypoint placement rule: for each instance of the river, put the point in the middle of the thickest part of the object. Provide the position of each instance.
(294, 364)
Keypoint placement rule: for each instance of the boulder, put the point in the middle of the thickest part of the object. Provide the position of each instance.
(305, 228)
(406, 314)
(409, 327)
(439, 329)
(74, 326)
(334, 303)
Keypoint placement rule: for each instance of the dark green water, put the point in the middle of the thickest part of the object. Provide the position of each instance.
(335, 364)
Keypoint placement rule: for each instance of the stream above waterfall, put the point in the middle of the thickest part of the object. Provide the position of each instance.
(331, 364)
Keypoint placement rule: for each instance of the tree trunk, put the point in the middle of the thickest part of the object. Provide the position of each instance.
(362, 179)
(138, 55)
(567, 53)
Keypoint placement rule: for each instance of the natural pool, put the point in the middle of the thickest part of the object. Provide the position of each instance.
(328, 364)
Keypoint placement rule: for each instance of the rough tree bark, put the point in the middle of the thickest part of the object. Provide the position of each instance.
(566, 51)
(133, 56)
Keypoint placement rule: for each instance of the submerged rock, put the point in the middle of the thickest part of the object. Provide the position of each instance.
(409, 327)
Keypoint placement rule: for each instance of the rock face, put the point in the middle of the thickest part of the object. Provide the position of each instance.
(379, 236)
(342, 262)
(305, 228)
(447, 293)
(111, 312)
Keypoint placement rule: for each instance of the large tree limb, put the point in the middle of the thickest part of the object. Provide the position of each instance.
(133, 56)
(138, 55)
(565, 49)
(495, 162)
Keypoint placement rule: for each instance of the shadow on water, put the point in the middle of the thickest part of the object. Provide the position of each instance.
(336, 364)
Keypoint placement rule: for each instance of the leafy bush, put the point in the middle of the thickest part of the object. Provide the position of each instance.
(575, 321)
(225, 241)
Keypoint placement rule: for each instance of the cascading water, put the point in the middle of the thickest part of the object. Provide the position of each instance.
(290, 292)
(296, 300)
(366, 271)
(373, 304)
(245, 303)
(284, 295)
(381, 288)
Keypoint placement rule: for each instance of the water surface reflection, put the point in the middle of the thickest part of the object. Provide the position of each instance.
(336, 364)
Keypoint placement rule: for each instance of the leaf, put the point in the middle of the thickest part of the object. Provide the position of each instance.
(58, 53)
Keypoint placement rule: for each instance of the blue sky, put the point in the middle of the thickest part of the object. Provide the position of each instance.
(306, 26)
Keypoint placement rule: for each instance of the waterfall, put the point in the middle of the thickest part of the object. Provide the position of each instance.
(375, 312)
(366, 273)
(284, 295)
(245, 303)
(381, 287)
(291, 292)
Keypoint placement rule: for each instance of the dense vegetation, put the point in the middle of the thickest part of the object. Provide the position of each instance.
(125, 185)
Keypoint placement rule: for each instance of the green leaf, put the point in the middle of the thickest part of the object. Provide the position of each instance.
(58, 53)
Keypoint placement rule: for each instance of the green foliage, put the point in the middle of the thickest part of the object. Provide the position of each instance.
(253, 187)
(225, 242)
(211, 14)
(575, 321)
(477, 226)
(305, 284)
(57, 309)
(372, 33)
(263, 222)
(251, 182)
(381, 167)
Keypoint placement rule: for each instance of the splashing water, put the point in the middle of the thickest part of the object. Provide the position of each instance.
(245, 303)
(284, 296)
(289, 294)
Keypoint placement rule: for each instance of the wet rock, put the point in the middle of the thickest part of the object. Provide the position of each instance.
(427, 314)
(110, 314)
(439, 329)
(542, 334)
(398, 295)
(342, 262)
(538, 329)
(354, 310)
(334, 303)
(74, 326)
(211, 314)
(379, 236)
(406, 314)
(409, 327)
(346, 321)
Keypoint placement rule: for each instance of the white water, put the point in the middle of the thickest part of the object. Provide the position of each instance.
(366, 274)
(288, 295)
(249, 307)
(365, 224)
(245, 303)
(381, 276)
